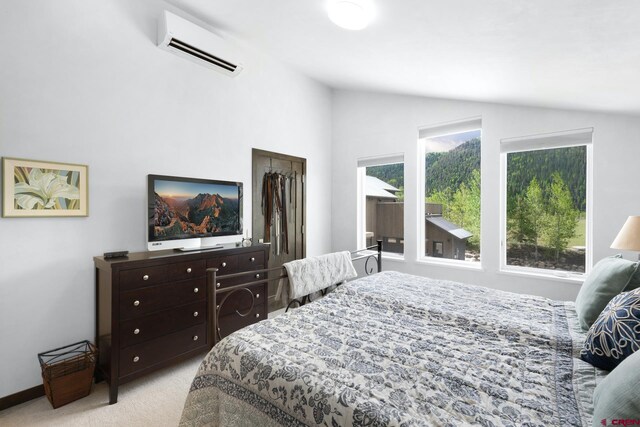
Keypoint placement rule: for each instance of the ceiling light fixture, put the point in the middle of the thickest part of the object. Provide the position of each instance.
(351, 14)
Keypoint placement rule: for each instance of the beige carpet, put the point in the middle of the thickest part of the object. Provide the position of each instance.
(154, 400)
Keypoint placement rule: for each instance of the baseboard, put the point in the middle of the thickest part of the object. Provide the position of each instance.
(21, 397)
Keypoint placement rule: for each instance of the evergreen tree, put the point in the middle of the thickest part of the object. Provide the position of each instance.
(517, 218)
(470, 207)
(447, 170)
(443, 198)
(392, 174)
(462, 207)
(569, 162)
(455, 213)
(534, 213)
(561, 217)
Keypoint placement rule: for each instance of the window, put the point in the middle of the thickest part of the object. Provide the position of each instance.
(381, 203)
(438, 249)
(450, 214)
(545, 202)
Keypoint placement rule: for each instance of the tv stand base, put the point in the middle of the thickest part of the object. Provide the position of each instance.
(200, 248)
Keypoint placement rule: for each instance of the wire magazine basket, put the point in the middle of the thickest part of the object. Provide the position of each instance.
(67, 372)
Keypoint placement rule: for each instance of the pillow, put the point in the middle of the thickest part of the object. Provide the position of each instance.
(634, 283)
(615, 335)
(609, 277)
(616, 397)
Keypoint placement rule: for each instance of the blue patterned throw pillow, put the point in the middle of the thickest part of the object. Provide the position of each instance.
(615, 335)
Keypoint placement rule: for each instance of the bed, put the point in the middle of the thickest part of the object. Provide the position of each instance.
(392, 349)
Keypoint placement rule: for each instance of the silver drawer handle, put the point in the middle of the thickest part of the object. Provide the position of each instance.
(195, 314)
(218, 285)
(136, 303)
(136, 331)
(195, 290)
(189, 270)
(145, 277)
(224, 264)
(257, 314)
(257, 295)
(258, 276)
(195, 338)
(252, 259)
(135, 359)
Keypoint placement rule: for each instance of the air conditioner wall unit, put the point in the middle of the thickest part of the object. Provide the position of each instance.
(186, 39)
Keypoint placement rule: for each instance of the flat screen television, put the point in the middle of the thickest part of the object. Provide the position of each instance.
(192, 213)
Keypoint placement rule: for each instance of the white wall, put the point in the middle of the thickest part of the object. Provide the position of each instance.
(83, 82)
(367, 124)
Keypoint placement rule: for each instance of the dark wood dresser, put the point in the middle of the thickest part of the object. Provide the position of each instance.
(154, 308)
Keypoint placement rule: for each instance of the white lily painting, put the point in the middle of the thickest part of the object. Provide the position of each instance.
(34, 188)
(43, 190)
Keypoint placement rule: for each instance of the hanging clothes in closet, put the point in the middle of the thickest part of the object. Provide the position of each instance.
(276, 190)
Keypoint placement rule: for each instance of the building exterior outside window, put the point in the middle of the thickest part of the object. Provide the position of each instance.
(381, 195)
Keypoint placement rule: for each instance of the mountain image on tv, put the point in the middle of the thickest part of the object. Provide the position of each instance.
(179, 211)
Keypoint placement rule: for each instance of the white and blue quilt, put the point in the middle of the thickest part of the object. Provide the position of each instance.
(393, 349)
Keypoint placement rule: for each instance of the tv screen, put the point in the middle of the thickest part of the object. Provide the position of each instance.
(187, 208)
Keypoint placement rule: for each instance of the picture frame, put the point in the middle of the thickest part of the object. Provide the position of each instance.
(35, 188)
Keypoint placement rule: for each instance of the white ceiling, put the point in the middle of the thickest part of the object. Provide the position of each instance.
(582, 54)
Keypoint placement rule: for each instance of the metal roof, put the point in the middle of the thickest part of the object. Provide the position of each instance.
(449, 227)
(378, 188)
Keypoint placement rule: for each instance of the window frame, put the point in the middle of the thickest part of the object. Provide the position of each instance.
(548, 141)
(433, 131)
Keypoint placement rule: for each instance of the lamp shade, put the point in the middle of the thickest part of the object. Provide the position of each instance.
(629, 236)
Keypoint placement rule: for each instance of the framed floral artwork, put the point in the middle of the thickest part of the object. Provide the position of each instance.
(33, 188)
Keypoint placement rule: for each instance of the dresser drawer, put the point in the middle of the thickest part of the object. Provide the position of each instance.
(224, 264)
(135, 331)
(232, 322)
(245, 278)
(240, 300)
(141, 277)
(149, 353)
(186, 270)
(144, 301)
(251, 261)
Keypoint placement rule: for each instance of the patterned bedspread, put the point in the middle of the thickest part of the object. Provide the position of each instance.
(399, 350)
